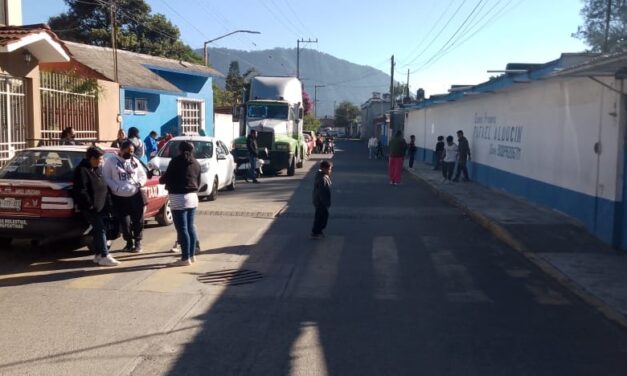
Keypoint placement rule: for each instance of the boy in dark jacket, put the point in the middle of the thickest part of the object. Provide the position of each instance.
(92, 198)
(322, 199)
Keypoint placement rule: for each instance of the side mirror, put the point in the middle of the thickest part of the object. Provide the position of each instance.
(301, 113)
(221, 157)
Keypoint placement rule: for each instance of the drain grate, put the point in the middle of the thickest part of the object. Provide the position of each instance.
(230, 277)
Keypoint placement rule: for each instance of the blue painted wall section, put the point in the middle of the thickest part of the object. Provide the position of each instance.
(578, 205)
(162, 114)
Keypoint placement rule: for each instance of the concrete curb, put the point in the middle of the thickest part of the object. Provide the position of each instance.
(501, 233)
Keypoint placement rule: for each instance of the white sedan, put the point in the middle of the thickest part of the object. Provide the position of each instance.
(217, 165)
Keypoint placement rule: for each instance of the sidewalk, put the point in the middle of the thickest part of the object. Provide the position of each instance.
(554, 242)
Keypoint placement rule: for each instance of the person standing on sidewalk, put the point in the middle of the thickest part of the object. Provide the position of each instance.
(449, 158)
(321, 199)
(463, 156)
(92, 198)
(182, 180)
(138, 145)
(439, 153)
(372, 147)
(412, 150)
(398, 148)
(253, 155)
(125, 177)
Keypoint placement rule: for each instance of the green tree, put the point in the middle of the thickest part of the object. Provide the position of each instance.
(345, 114)
(138, 30)
(310, 123)
(234, 82)
(221, 97)
(596, 25)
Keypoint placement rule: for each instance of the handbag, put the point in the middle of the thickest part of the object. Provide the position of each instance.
(112, 226)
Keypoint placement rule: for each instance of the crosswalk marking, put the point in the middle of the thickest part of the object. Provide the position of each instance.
(385, 266)
(459, 285)
(307, 355)
(321, 269)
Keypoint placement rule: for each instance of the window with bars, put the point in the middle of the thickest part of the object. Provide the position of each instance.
(190, 114)
(141, 105)
(128, 105)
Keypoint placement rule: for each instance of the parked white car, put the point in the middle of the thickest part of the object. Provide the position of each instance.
(216, 162)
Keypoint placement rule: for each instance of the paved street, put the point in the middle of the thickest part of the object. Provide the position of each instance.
(403, 284)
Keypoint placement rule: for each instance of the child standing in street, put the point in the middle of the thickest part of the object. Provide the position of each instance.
(321, 199)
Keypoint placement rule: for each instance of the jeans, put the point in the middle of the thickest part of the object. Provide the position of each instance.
(461, 167)
(320, 220)
(98, 232)
(252, 171)
(130, 213)
(185, 231)
(437, 160)
(447, 170)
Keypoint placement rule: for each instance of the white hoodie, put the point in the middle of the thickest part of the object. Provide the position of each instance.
(124, 176)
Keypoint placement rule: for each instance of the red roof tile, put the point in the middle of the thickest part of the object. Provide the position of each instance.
(9, 34)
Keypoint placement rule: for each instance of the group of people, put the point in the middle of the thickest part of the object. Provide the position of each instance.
(375, 148)
(325, 144)
(448, 154)
(148, 147)
(113, 189)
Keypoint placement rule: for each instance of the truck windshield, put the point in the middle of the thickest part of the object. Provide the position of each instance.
(262, 111)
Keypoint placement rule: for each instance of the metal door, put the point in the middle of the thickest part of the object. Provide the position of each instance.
(12, 117)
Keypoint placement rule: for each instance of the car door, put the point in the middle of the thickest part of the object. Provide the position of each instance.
(222, 156)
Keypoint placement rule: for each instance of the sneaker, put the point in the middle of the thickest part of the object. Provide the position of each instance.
(181, 263)
(175, 248)
(128, 247)
(97, 259)
(108, 261)
(138, 247)
(193, 259)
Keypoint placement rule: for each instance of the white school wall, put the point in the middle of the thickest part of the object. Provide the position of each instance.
(225, 129)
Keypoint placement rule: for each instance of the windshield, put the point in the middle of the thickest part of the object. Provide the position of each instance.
(43, 165)
(273, 111)
(202, 149)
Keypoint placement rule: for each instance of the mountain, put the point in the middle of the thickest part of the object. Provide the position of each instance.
(344, 80)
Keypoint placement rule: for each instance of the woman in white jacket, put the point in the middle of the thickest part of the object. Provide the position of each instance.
(125, 176)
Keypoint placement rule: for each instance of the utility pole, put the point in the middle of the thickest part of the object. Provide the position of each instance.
(392, 84)
(316, 99)
(298, 42)
(114, 40)
(608, 17)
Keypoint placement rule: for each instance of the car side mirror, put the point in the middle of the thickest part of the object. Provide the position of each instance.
(221, 157)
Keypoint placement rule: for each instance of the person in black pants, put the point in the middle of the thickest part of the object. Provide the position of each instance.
(321, 199)
(439, 153)
(125, 177)
(92, 198)
(412, 150)
(253, 155)
(463, 156)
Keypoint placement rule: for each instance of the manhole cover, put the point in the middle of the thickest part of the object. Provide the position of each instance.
(231, 277)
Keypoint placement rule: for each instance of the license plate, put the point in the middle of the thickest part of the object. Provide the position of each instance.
(10, 203)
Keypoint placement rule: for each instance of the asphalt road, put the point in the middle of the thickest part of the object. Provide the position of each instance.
(403, 284)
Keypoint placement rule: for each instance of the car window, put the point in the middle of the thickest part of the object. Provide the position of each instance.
(222, 146)
(202, 149)
(57, 165)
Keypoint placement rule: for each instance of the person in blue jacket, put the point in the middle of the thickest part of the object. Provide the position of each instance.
(150, 145)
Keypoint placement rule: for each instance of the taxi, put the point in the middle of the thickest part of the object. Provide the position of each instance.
(36, 195)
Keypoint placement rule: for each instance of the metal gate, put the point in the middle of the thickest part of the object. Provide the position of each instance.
(68, 101)
(12, 117)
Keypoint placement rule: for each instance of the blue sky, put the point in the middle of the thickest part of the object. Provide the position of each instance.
(368, 32)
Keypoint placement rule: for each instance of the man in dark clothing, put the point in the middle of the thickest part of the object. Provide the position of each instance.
(253, 155)
(92, 198)
(439, 153)
(322, 199)
(463, 156)
(412, 150)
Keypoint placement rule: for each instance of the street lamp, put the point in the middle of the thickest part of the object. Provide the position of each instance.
(206, 53)
(316, 99)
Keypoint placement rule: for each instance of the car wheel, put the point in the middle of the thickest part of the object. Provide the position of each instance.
(299, 164)
(291, 170)
(214, 190)
(5, 242)
(231, 187)
(164, 218)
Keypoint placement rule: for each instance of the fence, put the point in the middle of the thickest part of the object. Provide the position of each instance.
(12, 117)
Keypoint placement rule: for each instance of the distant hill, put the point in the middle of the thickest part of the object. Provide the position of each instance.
(344, 80)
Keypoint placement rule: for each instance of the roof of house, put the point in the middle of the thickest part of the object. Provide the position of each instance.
(136, 70)
(38, 39)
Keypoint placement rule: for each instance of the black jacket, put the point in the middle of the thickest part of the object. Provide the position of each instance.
(182, 175)
(90, 189)
(439, 147)
(464, 149)
(251, 145)
(322, 190)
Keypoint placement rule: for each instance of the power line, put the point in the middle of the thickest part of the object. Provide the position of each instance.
(297, 17)
(185, 19)
(287, 27)
(286, 17)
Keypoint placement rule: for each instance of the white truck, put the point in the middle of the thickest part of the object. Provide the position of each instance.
(274, 108)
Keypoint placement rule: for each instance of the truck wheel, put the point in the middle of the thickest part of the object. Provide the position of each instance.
(164, 218)
(214, 190)
(299, 164)
(291, 169)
